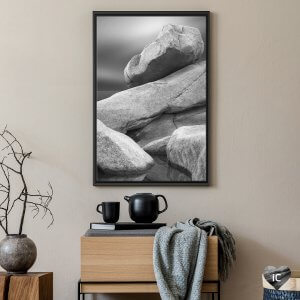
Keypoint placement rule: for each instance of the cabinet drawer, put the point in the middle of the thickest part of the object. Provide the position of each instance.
(121, 259)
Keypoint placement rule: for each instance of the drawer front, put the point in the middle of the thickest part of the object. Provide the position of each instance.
(117, 259)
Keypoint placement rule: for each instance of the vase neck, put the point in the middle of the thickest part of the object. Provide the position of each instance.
(16, 235)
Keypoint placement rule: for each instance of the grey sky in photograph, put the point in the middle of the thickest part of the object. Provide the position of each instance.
(119, 38)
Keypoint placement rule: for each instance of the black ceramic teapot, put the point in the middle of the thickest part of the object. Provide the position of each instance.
(144, 207)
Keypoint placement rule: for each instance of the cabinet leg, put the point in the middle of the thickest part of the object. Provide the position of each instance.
(78, 291)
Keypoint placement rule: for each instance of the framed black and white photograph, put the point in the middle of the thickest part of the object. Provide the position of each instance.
(151, 98)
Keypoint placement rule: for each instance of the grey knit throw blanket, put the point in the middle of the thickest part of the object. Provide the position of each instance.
(179, 256)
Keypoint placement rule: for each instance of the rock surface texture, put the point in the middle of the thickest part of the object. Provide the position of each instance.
(187, 149)
(157, 146)
(175, 47)
(136, 107)
(166, 124)
(163, 171)
(119, 154)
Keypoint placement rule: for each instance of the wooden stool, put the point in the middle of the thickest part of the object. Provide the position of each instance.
(30, 286)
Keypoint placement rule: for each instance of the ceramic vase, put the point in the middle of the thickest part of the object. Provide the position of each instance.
(17, 253)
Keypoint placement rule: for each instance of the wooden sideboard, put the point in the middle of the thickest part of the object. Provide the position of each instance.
(123, 264)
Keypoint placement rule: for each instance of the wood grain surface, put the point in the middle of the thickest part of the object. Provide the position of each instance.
(4, 281)
(31, 286)
(107, 288)
(117, 259)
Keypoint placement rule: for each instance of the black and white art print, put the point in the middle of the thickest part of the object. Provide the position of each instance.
(151, 98)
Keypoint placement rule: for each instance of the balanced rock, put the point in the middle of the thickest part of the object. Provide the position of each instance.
(136, 107)
(119, 154)
(187, 149)
(166, 124)
(175, 47)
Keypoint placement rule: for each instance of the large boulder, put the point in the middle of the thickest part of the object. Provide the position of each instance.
(175, 47)
(166, 124)
(187, 149)
(136, 107)
(119, 154)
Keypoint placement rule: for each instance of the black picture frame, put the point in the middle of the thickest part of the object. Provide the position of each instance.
(97, 14)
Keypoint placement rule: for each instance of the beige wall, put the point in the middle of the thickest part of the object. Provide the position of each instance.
(46, 99)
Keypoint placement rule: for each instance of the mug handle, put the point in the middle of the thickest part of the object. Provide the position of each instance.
(166, 203)
(98, 209)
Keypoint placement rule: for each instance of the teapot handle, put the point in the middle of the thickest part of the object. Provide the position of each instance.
(127, 198)
(98, 209)
(166, 203)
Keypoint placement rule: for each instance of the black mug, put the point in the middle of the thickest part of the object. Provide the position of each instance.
(110, 211)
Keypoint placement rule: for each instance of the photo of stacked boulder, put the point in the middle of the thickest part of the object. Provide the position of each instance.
(151, 101)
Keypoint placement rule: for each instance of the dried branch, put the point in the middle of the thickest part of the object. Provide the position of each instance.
(9, 168)
(7, 199)
(39, 202)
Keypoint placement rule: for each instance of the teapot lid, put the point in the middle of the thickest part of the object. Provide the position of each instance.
(143, 194)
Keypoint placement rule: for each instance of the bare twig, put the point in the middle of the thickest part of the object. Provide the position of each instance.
(9, 168)
(39, 202)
